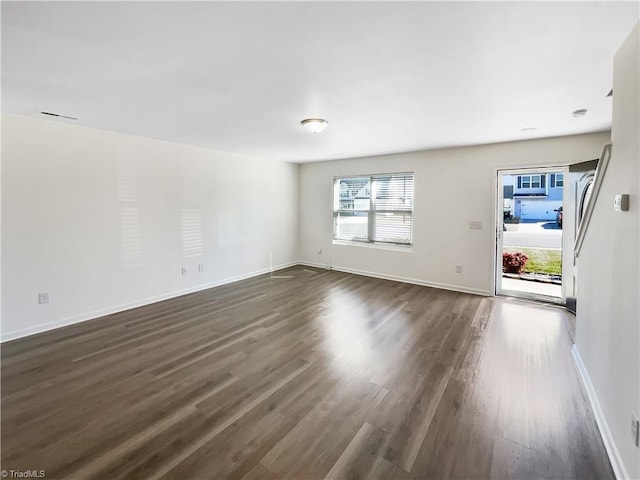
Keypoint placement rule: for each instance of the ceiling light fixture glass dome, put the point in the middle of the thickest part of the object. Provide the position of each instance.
(314, 125)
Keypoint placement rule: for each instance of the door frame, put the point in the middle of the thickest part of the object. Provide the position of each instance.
(567, 247)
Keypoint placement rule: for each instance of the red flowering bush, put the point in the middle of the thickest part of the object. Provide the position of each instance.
(513, 262)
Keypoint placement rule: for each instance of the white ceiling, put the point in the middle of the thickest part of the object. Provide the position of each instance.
(388, 76)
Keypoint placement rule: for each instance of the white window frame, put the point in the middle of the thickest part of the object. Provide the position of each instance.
(557, 182)
(537, 179)
(530, 179)
(371, 213)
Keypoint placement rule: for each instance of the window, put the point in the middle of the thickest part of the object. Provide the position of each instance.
(535, 181)
(374, 208)
(531, 181)
(557, 180)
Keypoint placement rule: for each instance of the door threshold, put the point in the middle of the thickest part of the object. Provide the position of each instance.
(537, 299)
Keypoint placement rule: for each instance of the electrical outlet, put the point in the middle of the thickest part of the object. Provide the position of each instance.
(43, 297)
(184, 270)
(201, 267)
(458, 268)
(635, 428)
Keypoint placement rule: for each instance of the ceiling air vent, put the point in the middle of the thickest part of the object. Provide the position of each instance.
(51, 114)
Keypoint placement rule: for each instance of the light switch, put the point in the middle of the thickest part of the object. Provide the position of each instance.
(621, 202)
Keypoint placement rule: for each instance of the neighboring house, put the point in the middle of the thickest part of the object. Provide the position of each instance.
(534, 196)
(354, 193)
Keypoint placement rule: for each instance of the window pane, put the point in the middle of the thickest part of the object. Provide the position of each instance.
(526, 182)
(535, 181)
(393, 227)
(350, 225)
(352, 193)
(393, 192)
(559, 179)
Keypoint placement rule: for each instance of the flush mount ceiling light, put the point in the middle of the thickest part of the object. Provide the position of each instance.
(529, 130)
(314, 125)
(581, 112)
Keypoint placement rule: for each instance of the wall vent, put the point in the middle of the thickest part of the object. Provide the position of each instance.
(51, 114)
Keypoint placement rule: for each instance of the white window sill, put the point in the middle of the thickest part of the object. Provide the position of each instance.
(377, 246)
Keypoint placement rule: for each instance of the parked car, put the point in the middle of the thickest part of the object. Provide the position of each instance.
(559, 216)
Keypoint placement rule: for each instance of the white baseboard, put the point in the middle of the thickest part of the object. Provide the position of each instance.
(415, 281)
(43, 327)
(609, 443)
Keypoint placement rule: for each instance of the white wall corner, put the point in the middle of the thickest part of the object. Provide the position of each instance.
(609, 443)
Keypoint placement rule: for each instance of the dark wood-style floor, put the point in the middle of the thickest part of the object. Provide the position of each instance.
(306, 375)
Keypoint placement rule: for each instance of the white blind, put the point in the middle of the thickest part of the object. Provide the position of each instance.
(393, 228)
(374, 208)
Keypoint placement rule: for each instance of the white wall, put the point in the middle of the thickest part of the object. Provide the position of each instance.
(452, 187)
(105, 221)
(608, 319)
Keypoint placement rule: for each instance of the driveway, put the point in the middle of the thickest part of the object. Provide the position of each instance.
(533, 233)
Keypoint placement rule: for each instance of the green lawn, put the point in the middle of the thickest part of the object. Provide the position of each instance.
(541, 260)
